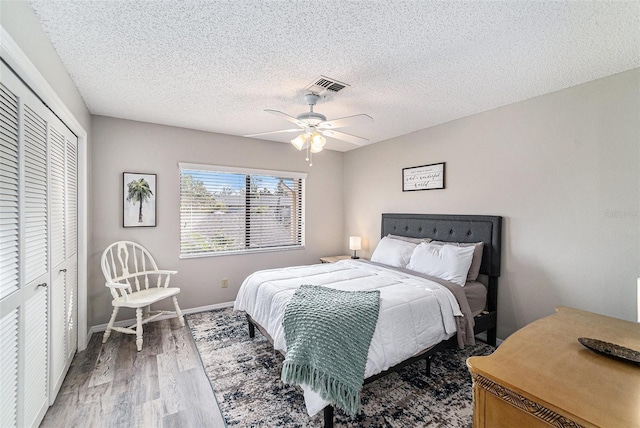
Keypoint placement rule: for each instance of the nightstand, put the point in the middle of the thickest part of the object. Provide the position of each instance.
(333, 259)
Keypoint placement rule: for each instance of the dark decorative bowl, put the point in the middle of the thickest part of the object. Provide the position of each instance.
(611, 350)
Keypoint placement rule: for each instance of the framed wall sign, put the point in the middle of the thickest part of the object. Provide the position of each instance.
(139, 200)
(425, 177)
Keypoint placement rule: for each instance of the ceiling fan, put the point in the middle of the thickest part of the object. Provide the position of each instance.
(315, 127)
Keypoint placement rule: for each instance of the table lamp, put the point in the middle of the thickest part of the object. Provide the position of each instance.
(355, 244)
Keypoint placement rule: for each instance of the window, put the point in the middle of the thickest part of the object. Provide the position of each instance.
(226, 210)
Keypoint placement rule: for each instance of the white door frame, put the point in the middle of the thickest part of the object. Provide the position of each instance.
(24, 68)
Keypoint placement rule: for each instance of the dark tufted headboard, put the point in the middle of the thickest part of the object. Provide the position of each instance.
(459, 228)
(452, 228)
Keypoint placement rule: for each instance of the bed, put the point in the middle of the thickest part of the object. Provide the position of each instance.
(398, 307)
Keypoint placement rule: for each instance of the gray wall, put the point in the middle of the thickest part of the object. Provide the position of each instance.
(563, 170)
(127, 146)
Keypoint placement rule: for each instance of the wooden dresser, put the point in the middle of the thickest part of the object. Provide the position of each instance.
(542, 376)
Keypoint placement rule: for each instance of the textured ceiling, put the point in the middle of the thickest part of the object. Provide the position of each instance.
(215, 65)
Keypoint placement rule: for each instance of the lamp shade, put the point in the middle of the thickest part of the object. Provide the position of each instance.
(299, 141)
(317, 142)
(355, 243)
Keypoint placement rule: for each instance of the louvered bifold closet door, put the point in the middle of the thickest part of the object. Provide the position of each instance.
(24, 251)
(58, 248)
(35, 258)
(35, 194)
(10, 295)
(58, 328)
(72, 310)
(72, 196)
(63, 202)
(57, 188)
(35, 378)
(71, 239)
(9, 193)
(9, 256)
(9, 372)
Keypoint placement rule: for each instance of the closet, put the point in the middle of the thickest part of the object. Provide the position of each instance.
(38, 253)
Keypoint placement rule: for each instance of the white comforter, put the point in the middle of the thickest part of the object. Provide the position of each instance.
(415, 313)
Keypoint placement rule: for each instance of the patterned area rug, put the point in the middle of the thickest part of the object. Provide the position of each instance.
(245, 375)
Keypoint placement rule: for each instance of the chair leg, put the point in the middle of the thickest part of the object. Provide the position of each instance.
(139, 329)
(178, 311)
(107, 333)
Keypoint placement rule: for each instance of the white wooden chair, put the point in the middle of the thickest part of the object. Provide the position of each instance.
(129, 271)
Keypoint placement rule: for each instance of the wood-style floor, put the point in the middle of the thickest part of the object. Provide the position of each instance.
(112, 385)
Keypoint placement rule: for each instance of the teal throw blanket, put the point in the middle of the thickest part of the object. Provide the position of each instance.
(328, 333)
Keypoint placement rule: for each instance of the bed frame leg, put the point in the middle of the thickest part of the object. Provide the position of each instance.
(428, 361)
(252, 328)
(328, 417)
(491, 336)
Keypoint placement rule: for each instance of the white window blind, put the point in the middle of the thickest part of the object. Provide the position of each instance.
(225, 210)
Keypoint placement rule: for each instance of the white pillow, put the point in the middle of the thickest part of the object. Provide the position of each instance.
(447, 262)
(393, 252)
(476, 260)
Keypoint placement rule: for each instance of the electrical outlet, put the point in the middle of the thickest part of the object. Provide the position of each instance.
(224, 283)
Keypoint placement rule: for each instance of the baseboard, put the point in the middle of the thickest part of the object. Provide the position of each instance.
(125, 323)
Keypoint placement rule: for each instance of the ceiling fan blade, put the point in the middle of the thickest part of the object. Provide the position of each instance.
(272, 132)
(285, 116)
(353, 139)
(358, 119)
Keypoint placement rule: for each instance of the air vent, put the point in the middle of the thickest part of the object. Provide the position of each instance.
(323, 83)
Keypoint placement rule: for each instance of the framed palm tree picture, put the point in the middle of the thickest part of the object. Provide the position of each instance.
(139, 200)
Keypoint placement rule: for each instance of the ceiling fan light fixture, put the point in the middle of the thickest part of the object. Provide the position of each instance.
(315, 149)
(317, 142)
(315, 127)
(299, 141)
